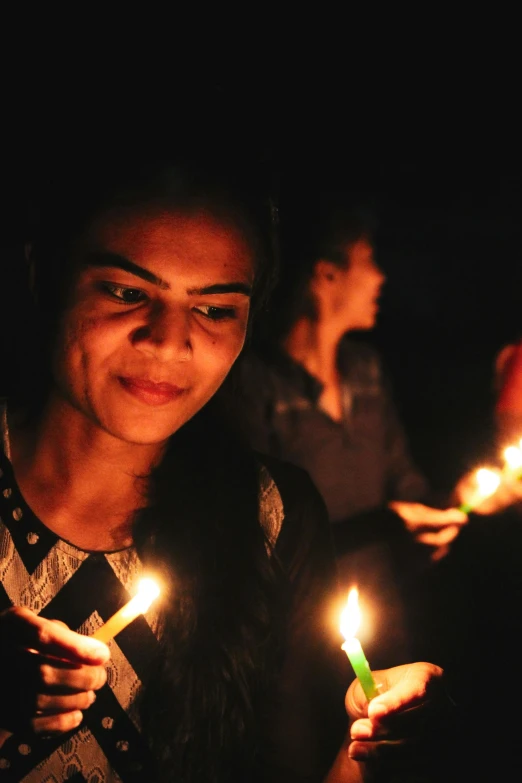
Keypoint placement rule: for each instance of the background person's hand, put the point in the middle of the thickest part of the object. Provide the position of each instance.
(433, 527)
(49, 673)
(509, 493)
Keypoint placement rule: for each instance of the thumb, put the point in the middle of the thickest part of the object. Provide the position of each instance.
(355, 702)
(51, 637)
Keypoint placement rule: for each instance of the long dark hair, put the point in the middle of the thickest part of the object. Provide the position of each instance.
(204, 704)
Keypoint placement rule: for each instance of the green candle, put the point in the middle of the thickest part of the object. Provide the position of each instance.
(487, 483)
(361, 667)
(466, 507)
(350, 619)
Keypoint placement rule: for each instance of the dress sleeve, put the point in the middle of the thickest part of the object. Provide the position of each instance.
(309, 722)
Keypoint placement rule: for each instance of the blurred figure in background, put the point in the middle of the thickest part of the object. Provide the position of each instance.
(508, 387)
(507, 432)
(316, 395)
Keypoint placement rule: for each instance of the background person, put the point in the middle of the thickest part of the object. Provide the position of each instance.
(317, 395)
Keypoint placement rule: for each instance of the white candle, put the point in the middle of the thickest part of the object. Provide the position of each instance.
(148, 590)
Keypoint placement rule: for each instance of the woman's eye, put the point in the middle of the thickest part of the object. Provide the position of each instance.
(124, 294)
(216, 313)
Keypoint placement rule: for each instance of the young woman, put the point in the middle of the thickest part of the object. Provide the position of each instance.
(119, 457)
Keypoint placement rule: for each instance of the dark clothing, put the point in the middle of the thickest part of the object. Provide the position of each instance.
(357, 464)
(58, 580)
(309, 722)
(472, 601)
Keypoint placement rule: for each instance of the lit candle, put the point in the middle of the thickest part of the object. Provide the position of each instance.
(148, 590)
(487, 483)
(350, 620)
(513, 462)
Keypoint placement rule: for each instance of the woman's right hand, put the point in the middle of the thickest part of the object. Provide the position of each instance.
(49, 674)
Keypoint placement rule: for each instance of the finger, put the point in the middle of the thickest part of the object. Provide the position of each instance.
(60, 622)
(356, 702)
(447, 516)
(444, 536)
(404, 687)
(409, 722)
(62, 679)
(57, 724)
(365, 729)
(439, 553)
(395, 751)
(48, 704)
(52, 638)
(417, 514)
(436, 524)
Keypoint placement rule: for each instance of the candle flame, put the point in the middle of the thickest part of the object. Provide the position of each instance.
(148, 590)
(487, 481)
(513, 457)
(351, 615)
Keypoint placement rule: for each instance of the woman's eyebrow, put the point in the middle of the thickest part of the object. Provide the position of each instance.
(105, 259)
(222, 288)
(114, 260)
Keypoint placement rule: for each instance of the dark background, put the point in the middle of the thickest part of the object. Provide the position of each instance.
(448, 238)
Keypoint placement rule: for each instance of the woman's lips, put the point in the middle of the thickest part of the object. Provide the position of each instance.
(149, 392)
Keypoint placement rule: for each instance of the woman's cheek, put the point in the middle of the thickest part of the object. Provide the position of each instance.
(223, 353)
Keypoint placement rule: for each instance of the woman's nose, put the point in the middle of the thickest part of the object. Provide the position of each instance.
(166, 336)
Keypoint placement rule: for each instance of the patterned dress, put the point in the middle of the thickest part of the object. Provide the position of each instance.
(57, 580)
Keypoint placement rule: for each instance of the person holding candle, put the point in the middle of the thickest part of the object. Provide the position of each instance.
(120, 456)
(505, 450)
(317, 395)
(508, 388)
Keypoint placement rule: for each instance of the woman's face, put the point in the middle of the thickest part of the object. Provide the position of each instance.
(155, 319)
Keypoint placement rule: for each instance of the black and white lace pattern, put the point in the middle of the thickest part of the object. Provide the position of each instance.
(55, 579)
